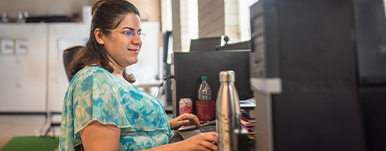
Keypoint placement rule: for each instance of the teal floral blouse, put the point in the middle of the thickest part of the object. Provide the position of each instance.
(94, 94)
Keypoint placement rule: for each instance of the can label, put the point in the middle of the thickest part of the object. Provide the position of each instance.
(186, 106)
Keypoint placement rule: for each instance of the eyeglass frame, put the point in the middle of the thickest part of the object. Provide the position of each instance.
(140, 35)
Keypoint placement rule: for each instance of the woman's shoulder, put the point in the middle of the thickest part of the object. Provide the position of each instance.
(92, 69)
(92, 72)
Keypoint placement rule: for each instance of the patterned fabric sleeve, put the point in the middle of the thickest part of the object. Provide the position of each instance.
(96, 95)
(97, 98)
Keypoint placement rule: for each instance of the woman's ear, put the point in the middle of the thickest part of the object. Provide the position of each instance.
(99, 36)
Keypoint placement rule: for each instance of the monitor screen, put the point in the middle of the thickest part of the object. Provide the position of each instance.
(205, 44)
(189, 67)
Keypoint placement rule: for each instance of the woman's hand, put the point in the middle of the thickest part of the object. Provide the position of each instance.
(184, 119)
(200, 142)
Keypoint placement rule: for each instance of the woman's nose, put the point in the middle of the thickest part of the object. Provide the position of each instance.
(137, 40)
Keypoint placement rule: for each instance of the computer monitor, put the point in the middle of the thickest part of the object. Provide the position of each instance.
(189, 67)
(304, 76)
(205, 44)
(235, 46)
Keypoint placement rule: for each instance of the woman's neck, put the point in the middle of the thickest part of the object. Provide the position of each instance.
(118, 71)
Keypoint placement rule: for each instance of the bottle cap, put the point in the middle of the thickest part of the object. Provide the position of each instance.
(20, 16)
(227, 76)
(25, 14)
(204, 78)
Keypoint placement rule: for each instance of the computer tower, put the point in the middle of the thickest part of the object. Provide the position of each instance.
(373, 102)
(304, 76)
(370, 30)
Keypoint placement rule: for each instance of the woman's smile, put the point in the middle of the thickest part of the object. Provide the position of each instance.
(135, 51)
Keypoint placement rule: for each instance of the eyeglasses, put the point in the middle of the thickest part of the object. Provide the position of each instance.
(128, 33)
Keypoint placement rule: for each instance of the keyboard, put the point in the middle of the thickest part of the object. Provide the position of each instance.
(208, 128)
(189, 131)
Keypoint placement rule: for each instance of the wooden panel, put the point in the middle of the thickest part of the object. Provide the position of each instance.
(39, 7)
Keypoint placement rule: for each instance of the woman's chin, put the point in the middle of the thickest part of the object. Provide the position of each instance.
(132, 62)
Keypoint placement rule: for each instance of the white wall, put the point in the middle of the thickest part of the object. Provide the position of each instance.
(23, 83)
(146, 69)
(75, 34)
(34, 82)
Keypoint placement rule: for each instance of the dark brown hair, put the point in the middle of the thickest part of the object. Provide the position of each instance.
(107, 14)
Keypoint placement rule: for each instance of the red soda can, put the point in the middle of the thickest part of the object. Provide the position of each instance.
(186, 106)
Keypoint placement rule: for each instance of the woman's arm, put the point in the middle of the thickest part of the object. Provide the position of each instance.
(199, 142)
(100, 137)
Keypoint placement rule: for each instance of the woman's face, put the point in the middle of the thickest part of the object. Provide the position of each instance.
(123, 44)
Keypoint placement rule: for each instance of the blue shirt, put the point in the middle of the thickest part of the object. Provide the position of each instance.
(94, 94)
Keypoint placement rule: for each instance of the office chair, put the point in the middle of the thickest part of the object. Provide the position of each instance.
(68, 56)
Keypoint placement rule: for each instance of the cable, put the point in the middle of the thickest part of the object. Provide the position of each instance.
(156, 94)
(169, 77)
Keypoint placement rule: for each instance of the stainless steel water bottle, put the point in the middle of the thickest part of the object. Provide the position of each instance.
(228, 112)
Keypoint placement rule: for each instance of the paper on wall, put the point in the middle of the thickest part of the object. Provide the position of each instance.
(21, 46)
(7, 46)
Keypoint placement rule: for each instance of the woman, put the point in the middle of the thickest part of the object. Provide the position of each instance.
(102, 110)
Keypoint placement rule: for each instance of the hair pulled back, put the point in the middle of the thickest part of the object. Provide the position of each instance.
(107, 14)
